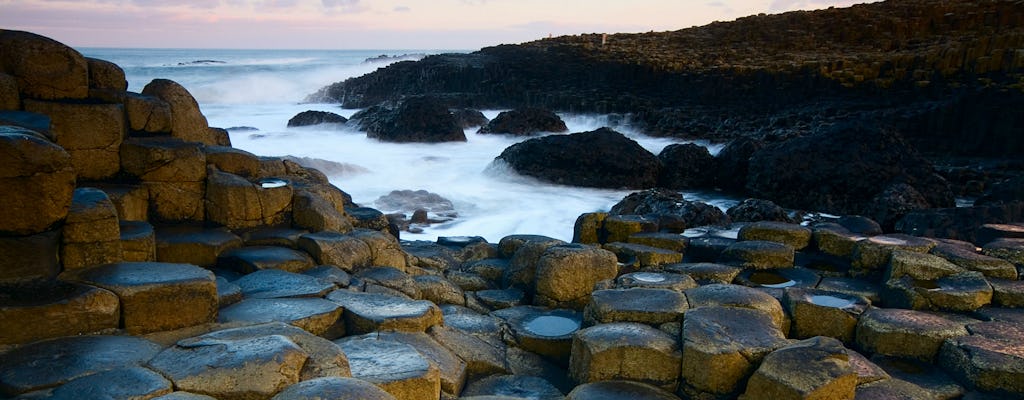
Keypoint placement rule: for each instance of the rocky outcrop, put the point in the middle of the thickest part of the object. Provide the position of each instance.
(686, 166)
(525, 122)
(308, 118)
(851, 169)
(602, 158)
(417, 119)
(669, 208)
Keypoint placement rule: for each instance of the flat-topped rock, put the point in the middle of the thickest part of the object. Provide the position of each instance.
(814, 368)
(395, 367)
(991, 232)
(662, 240)
(525, 250)
(452, 369)
(483, 356)
(138, 241)
(642, 305)
(439, 290)
(931, 379)
(852, 286)
(238, 203)
(1006, 293)
(326, 359)
(619, 389)
(389, 277)
(335, 388)
(127, 383)
(91, 232)
(707, 249)
(722, 346)
(619, 228)
(163, 159)
(972, 260)
(274, 283)
(628, 351)
(272, 236)
(741, 297)
(873, 253)
(1011, 250)
(542, 331)
(643, 255)
(965, 291)
(332, 248)
(777, 279)
(818, 312)
(905, 333)
(57, 361)
(758, 254)
(705, 273)
(514, 386)
(256, 258)
(655, 280)
(256, 367)
(193, 244)
(384, 248)
(794, 235)
(68, 310)
(316, 316)
(497, 299)
(566, 274)
(369, 312)
(835, 240)
(990, 359)
(330, 273)
(155, 296)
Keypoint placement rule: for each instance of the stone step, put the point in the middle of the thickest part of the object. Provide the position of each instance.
(397, 368)
(275, 283)
(62, 309)
(257, 258)
(138, 241)
(626, 351)
(335, 388)
(369, 312)
(192, 244)
(317, 316)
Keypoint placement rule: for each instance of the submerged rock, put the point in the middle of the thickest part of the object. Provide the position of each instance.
(309, 118)
(416, 119)
(525, 122)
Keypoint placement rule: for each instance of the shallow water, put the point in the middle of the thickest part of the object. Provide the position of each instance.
(552, 325)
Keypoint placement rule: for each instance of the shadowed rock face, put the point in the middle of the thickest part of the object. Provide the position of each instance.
(416, 119)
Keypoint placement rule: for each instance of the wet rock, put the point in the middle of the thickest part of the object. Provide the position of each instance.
(91, 232)
(643, 256)
(57, 361)
(670, 209)
(369, 312)
(823, 313)
(332, 248)
(483, 356)
(686, 166)
(497, 299)
(705, 273)
(758, 254)
(733, 162)
(337, 388)
(134, 382)
(774, 281)
(224, 368)
(905, 333)
(628, 351)
(619, 389)
(525, 122)
(395, 367)
(187, 121)
(44, 68)
(369, 218)
(514, 386)
(193, 244)
(722, 346)
(890, 389)
(416, 119)
(67, 310)
(566, 274)
(873, 253)
(273, 283)
(867, 158)
(935, 383)
(227, 293)
(309, 118)
(618, 228)
(923, 281)
(264, 258)
(326, 359)
(724, 295)
(391, 278)
(41, 181)
(990, 359)
(317, 316)
(603, 158)
(656, 280)
(796, 236)
(753, 210)
(544, 332)
(138, 241)
(469, 118)
(642, 305)
(816, 367)
(144, 289)
(452, 368)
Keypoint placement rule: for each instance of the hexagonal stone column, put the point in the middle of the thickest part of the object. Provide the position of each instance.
(335, 388)
(644, 256)
(990, 359)
(739, 296)
(824, 313)
(193, 244)
(722, 346)
(796, 236)
(542, 331)
(758, 254)
(65, 310)
(326, 359)
(397, 368)
(905, 333)
(643, 305)
(174, 172)
(627, 351)
(38, 179)
(566, 275)
(614, 390)
(816, 368)
(155, 296)
(513, 386)
(332, 248)
(257, 258)
(92, 234)
(127, 383)
(369, 312)
(91, 134)
(452, 369)
(873, 253)
(138, 241)
(316, 316)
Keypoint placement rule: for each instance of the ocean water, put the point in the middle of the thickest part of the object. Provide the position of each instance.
(262, 89)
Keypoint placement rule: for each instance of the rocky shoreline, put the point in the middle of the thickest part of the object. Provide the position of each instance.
(141, 256)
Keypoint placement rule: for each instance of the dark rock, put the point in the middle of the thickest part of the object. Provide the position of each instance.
(602, 158)
(686, 166)
(962, 223)
(1006, 191)
(524, 122)
(469, 118)
(846, 170)
(416, 119)
(308, 118)
(670, 209)
(860, 224)
(733, 162)
(753, 210)
(45, 69)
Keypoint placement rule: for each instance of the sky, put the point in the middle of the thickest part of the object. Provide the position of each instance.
(363, 24)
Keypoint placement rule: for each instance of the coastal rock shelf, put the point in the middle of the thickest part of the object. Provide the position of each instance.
(152, 260)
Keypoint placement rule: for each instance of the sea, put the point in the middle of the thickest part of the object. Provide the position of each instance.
(254, 93)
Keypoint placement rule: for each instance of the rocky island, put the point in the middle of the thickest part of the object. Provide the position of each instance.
(142, 257)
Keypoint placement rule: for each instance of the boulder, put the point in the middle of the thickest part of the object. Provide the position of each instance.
(45, 69)
(813, 368)
(525, 122)
(337, 388)
(566, 275)
(626, 351)
(686, 166)
(90, 133)
(187, 121)
(395, 367)
(40, 179)
(905, 333)
(91, 233)
(802, 172)
(893, 203)
(316, 316)
(10, 100)
(754, 210)
(670, 210)
(155, 296)
(961, 223)
(62, 310)
(106, 75)
(603, 158)
(733, 162)
(469, 118)
(147, 114)
(416, 119)
(309, 118)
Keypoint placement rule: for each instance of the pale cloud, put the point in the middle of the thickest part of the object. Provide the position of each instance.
(402, 9)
